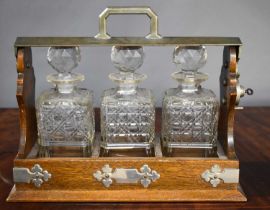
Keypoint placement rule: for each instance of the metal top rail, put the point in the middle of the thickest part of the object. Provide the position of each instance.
(125, 41)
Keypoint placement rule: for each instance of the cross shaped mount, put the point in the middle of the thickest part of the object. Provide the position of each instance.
(216, 175)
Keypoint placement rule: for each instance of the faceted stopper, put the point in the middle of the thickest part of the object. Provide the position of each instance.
(127, 59)
(190, 58)
(63, 59)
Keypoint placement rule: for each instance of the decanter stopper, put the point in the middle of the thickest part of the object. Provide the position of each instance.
(63, 59)
(190, 58)
(127, 59)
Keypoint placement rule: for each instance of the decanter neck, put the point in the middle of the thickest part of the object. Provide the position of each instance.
(127, 83)
(127, 89)
(65, 88)
(189, 83)
(189, 87)
(65, 83)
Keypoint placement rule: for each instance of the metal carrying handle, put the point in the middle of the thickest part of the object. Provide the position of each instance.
(127, 10)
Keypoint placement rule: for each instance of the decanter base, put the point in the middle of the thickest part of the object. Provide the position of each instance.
(180, 179)
(64, 151)
(189, 150)
(145, 149)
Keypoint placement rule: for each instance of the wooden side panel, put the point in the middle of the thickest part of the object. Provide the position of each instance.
(72, 180)
(228, 82)
(26, 101)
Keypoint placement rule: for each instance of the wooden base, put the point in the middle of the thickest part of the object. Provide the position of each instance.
(142, 195)
(72, 181)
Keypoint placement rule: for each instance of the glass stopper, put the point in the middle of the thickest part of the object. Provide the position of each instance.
(190, 58)
(127, 59)
(63, 59)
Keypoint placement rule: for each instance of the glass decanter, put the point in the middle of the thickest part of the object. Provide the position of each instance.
(127, 112)
(65, 113)
(190, 112)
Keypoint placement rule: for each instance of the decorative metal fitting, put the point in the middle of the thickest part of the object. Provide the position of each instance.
(104, 176)
(241, 91)
(36, 176)
(224, 101)
(120, 175)
(148, 175)
(249, 91)
(215, 175)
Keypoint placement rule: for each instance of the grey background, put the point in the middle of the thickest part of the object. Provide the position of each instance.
(244, 18)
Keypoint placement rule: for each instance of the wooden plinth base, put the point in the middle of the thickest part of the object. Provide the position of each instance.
(127, 196)
(72, 181)
(180, 179)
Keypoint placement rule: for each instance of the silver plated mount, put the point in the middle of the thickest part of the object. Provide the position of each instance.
(36, 175)
(216, 175)
(130, 176)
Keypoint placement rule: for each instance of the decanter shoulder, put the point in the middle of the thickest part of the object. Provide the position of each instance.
(46, 95)
(85, 93)
(208, 95)
(109, 92)
(171, 92)
(145, 96)
(141, 95)
(175, 95)
(79, 95)
(146, 93)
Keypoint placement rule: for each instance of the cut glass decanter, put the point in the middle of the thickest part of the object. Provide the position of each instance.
(127, 112)
(190, 112)
(65, 113)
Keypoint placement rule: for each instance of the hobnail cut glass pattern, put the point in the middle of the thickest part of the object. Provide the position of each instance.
(127, 121)
(190, 113)
(65, 119)
(127, 112)
(65, 113)
(190, 119)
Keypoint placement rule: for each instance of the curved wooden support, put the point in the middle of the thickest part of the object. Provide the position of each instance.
(26, 101)
(228, 94)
